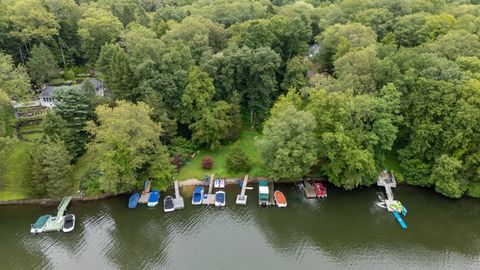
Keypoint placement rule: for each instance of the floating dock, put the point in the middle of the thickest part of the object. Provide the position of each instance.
(178, 200)
(209, 198)
(55, 223)
(309, 192)
(387, 180)
(145, 193)
(242, 198)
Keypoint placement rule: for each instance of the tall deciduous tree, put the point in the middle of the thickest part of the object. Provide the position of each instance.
(288, 145)
(42, 66)
(51, 169)
(13, 80)
(126, 143)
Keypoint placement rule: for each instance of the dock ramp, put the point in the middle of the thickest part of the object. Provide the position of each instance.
(242, 198)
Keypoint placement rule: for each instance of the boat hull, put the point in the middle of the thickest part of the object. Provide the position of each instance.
(220, 198)
(280, 199)
(196, 199)
(168, 206)
(70, 228)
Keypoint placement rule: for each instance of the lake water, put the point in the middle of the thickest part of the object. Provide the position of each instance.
(346, 231)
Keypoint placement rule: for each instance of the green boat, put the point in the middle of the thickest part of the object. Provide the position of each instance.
(39, 225)
(263, 193)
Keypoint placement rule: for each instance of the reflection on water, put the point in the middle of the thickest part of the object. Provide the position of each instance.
(345, 231)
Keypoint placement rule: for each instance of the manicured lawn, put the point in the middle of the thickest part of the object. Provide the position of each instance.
(16, 173)
(392, 163)
(194, 168)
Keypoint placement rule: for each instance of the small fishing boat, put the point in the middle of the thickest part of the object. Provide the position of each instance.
(133, 200)
(320, 189)
(38, 226)
(153, 199)
(216, 183)
(69, 224)
(220, 198)
(197, 196)
(263, 193)
(280, 199)
(168, 204)
(222, 183)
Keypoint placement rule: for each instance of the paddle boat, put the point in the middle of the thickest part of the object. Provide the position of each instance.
(168, 204)
(280, 199)
(153, 199)
(38, 226)
(197, 195)
(69, 224)
(320, 189)
(220, 198)
(222, 183)
(216, 183)
(133, 200)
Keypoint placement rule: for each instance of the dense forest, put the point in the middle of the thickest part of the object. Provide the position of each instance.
(333, 86)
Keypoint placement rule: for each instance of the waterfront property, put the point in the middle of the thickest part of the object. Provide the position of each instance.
(47, 95)
(48, 223)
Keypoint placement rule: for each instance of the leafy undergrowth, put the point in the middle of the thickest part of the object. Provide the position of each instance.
(247, 141)
(16, 173)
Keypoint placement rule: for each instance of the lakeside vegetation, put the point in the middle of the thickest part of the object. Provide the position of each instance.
(333, 88)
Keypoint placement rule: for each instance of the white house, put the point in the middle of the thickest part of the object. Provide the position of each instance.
(46, 97)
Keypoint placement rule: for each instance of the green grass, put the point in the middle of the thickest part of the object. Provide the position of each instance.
(79, 169)
(392, 163)
(16, 173)
(194, 168)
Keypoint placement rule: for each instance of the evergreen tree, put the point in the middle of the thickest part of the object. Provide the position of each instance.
(237, 160)
(42, 66)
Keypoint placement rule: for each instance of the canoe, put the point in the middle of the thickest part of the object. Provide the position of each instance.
(38, 226)
(69, 224)
(220, 198)
(168, 204)
(320, 189)
(197, 195)
(133, 201)
(154, 197)
(280, 199)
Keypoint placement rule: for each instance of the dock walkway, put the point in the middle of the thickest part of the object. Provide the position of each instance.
(209, 198)
(178, 200)
(309, 192)
(242, 198)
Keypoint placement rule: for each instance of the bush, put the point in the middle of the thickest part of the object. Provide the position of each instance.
(89, 181)
(207, 163)
(177, 160)
(237, 160)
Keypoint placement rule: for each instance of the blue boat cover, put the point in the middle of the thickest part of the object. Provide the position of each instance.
(198, 190)
(154, 196)
(220, 197)
(133, 201)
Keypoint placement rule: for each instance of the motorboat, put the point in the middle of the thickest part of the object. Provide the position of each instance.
(168, 204)
(222, 183)
(220, 198)
(69, 224)
(38, 226)
(280, 199)
(133, 200)
(153, 199)
(197, 195)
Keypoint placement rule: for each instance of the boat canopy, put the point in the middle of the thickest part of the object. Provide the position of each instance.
(263, 189)
(263, 196)
(41, 221)
(263, 183)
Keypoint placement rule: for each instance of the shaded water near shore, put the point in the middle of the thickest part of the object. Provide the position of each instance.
(345, 231)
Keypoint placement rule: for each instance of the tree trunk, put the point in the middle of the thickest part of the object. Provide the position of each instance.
(21, 55)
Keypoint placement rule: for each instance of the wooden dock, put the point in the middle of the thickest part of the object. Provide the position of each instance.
(271, 192)
(242, 198)
(209, 198)
(309, 192)
(178, 200)
(145, 193)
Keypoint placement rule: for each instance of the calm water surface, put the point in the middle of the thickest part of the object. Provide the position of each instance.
(347, 231)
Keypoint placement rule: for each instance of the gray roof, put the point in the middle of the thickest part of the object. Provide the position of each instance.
(49, 89)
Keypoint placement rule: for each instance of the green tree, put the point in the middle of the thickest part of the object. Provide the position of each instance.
(237, 160)
(51, 170)
(97, 27)
(13, 80)
(295, 75)
(72, 105)
(54, 127)
(211, 125)
(42, 66)
(127, 142)
(288, 146)
(445, 176)
(5, 110)
(198, 94)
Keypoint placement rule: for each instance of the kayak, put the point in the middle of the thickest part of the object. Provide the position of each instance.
(168, 204)
(133, 201)
(154, 197)
(280, 199)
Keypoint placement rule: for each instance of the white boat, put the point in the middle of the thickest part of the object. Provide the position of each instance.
(69, 224)
(39, 224)
(216, 183)
(222, 183)
(197, 195)
(168, 204)
(220, 198)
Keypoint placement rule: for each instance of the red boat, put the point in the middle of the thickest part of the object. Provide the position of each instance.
(320, 189)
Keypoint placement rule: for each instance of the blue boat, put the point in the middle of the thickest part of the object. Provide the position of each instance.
(197, 195)
(400, 220)
(133, 201)
(154, 197)
(220, 198)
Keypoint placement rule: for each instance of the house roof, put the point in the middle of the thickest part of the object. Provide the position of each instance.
(49, 89)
